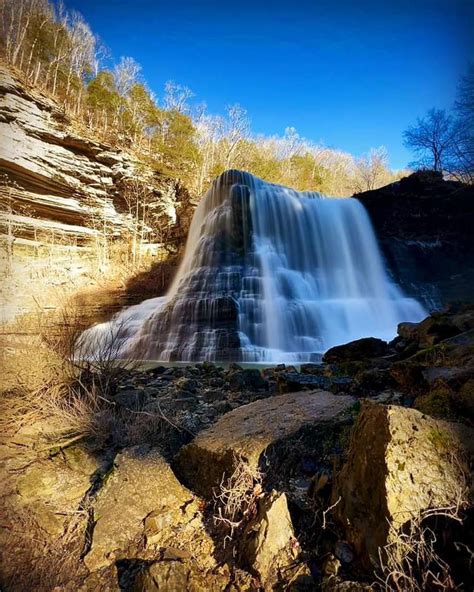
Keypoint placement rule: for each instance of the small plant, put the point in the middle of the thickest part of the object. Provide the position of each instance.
(236, 501)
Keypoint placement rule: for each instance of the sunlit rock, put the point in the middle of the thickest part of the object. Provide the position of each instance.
(245, 434)
(142, 501)
(400, 463)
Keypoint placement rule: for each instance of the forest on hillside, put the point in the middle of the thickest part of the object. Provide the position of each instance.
(56, 50)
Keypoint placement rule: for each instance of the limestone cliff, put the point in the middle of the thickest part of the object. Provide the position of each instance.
(55, 177)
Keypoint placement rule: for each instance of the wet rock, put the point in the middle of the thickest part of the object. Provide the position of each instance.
(340, 384)
(439, 327)
(246, 379)
(315, 369)
(344, 552)
(133, 400)
(213, 395)
(246, 432)
(361, 349)
(289, 382)
(372, 382)
(400, 463)
(334, 583)
(142, 501)
(409, 377)
(331, 565)
(187, 384)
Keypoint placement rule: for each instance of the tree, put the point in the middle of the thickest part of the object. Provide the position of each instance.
(177, 97)
(126, 74)
(372, 170)
(237, 130)
(464, 108)
(175, 143)
(433, 139)
(102, 101)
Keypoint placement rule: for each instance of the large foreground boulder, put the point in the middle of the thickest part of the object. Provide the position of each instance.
(245, 433)
(143, 507)
(400, 464)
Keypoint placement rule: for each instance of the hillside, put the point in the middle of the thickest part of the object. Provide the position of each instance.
(70, 200)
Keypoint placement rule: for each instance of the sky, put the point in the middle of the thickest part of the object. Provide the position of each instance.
(352, 74)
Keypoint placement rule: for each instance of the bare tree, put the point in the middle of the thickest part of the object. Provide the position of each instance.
(177, 97)
(433, 139)
(210, 132)
(291, 145)
(126, 74)
(372, 170)
(237, 130)
(464, 108)
(83, 55)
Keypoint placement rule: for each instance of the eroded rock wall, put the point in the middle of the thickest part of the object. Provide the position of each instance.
(56, 178)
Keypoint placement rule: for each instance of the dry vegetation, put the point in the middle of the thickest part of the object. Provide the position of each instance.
(236, 501)
(46, 383)
(413, 561)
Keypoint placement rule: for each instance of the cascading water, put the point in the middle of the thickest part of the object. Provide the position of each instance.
(269, 275)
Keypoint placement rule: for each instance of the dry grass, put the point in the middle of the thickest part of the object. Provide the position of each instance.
(411, 562)
(67, 386)
(236, 501)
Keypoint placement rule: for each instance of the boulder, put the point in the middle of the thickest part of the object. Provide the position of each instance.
(361, 349)
(289, 382)
(53, 488)
(246, 378)
(440, 327)
(400, 463)
(246, 432)
(143, 506)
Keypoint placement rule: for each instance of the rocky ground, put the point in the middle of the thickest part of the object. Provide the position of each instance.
(352, 474)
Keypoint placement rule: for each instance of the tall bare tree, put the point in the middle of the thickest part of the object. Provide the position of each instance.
(237, 130)
(433, 139)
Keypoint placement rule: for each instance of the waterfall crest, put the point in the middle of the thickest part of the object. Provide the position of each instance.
(269, 275)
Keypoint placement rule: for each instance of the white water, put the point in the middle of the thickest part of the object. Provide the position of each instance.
(312, 277)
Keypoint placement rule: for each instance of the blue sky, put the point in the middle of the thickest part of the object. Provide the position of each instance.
(353, 74)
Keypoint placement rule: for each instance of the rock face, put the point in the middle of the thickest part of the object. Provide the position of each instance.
(424, 227)
(57, 176)
(400, 463)
(245, 433)
(271, 536)
(201, 321)
(142, 503)
(56, 486)
(174, 575)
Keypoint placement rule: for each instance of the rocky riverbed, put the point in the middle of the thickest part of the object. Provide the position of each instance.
(239, 479)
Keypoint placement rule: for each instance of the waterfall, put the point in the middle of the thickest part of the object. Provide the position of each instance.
(269, 274)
